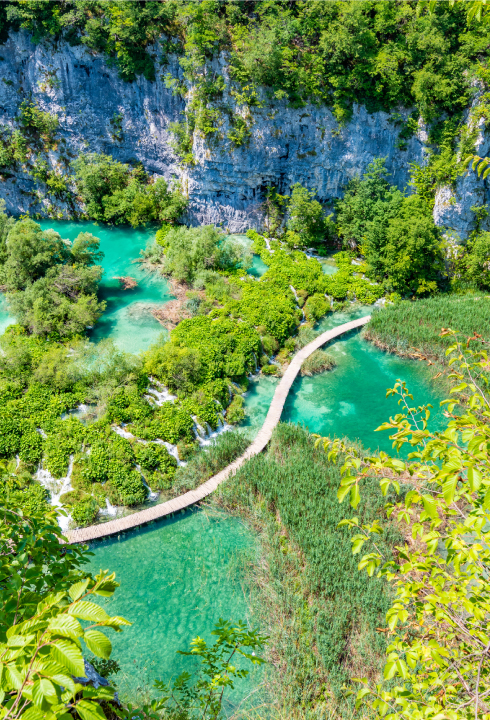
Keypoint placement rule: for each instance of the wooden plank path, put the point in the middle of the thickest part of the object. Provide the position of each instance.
(265, 433)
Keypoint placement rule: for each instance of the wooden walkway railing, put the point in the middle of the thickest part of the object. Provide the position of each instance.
(193, 496)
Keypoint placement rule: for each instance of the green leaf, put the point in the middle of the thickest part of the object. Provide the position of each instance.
(342, 492)
(474, 478)
(98, 643)
(70, 656)
(88, 611)
(66, 626)
(78, 589)
(430, 506)
(34, 713)
(90, 710)
(44, 694)
(355, 496)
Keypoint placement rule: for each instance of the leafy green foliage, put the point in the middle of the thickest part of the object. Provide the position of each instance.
(202, 349)
(189, 252)
(202, 697)
(34, 120)
(118, 193)
(44, 594)
(477, 261)
(51, 284)
(437, 660)
(383, 56)
(396, 234)
(306, 216)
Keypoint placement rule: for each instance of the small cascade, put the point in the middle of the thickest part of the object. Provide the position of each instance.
(172, 449)
(211, 435)
(124, 433)
(160, 395)
(111, 510)
(297, 300)
(57, 488)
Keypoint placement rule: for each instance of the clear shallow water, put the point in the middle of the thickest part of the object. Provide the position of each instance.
(5, 318)
(127, 319)
(178, 578)
(349, 400)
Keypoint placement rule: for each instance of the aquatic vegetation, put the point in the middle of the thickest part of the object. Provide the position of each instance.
(409, 328)
(318, 362)
(203, 465)
(308, 577)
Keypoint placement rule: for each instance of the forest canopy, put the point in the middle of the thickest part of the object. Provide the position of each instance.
(383, 54)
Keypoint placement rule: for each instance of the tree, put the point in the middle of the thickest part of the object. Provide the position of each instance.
(189, 251)
(477, 261)
(30, 253)
(411, 256)
(364, 211)
(52, 285)
(438, 660)
(306, 216)
(44, 594)
(118, 193)
(273, 210)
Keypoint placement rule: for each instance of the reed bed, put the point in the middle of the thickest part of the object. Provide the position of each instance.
(322, 614)
(412, 329)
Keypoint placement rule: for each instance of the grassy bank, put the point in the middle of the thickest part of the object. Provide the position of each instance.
(412, 329)
(321, 613)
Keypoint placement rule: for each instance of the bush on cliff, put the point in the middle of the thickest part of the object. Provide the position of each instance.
(119, 193)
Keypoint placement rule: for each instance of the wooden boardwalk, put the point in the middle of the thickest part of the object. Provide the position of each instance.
(193, 496)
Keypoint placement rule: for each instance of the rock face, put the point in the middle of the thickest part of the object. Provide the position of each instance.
(226, 185)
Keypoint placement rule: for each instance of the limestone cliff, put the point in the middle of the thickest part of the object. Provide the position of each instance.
(226, 184)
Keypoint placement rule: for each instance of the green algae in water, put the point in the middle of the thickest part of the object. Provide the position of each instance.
(127, 319)
(178, 578)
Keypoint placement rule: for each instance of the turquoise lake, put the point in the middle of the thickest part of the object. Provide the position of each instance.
(178, 577)
(127, 319)
(350, 400)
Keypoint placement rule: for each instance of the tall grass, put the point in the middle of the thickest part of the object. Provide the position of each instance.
(207, 461)
(411, 328)
(320, 611)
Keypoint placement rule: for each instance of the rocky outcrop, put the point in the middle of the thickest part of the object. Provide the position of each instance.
(226, 184)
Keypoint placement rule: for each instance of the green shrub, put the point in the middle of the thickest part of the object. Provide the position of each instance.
(476, 261)
(125, 486)
(306, 218)
(118, 193)
(191, 251)
(84, 512)
(316, 307)
(236, 411)
(31, 447)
